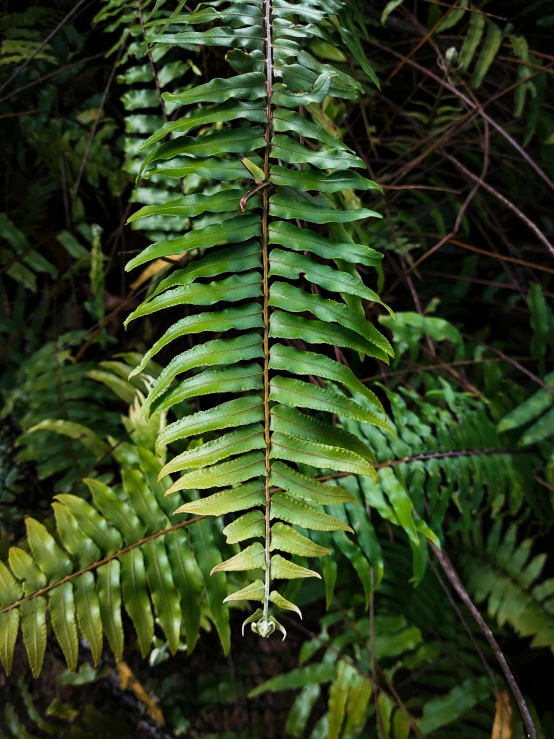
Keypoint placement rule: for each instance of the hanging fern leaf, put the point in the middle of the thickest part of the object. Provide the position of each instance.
(279, 176)
(118, 550)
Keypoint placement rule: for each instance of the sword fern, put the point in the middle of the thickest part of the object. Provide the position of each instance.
(272, 229)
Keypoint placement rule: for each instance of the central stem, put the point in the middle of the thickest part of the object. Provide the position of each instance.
(265, 309)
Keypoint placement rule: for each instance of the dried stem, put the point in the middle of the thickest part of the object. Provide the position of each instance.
(458, 586)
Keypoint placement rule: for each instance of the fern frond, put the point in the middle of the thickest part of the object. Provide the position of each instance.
(279, 175)
(445, 455)
(119, 549)
(56, 395)
(502, 572)
(143, 73)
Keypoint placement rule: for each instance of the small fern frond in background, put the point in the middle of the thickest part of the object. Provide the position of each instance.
(501, 570)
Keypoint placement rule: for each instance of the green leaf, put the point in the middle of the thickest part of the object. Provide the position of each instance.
(293, 511)
(445, 709)
(236, 442)
(304, 451)
(109, 596)
(540, 430)
(286, 539)
(541, 321)
(236, 140)
(303, 180)
(472, 40)
(301, 709)
(309, 363)
(358, 698)
(290, 120)
(248, 526)
(227, 112)
(53, 561)
(338, 695)
(305, 487)
(295, 423)
(239, 412)
(74, 431)
(216, 586)
(189, 582)
(254, 591)
(490, 48)
(298, 678)
(234, 379)
(437, 328)
(303, 208)
(239, 498)
(292, 266)
(288, 326)
(248, 38)
(144, 501)
(33, 628)
(301, 239)
(9, 628)
(88, 613)
(250, 86)
(290, 298)
(530, 409)
(299, 394)
(256, 172)
(222, 170)
(390, 6)
(240, 258)
(238, 470)
(282, 98)
(107, 538)
(216, 352)
(191, 205)
(288, 150)
(62, 611)
(283, 603)
(118, 512)
(233, 231)
(164, 592)
(250, 558)
(234, 288)
(400, 501)
(283, 569)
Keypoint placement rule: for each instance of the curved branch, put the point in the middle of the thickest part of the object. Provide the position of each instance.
(458, 586)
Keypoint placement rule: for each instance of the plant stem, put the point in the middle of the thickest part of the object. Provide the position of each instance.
(458, 586)
(265, 308)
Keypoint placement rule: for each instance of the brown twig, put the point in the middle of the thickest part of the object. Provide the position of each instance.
(512, 361)
(530, 161)
(458, 586)
(48, 76)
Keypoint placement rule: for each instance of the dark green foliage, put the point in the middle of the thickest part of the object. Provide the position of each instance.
(253, 379)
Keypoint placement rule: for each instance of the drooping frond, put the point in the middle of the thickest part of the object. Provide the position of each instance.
(120, 549)
(272, 230)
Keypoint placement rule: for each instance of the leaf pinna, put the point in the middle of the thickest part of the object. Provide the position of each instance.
(269, 233)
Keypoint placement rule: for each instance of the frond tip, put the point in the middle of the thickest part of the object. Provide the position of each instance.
(262, 626)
